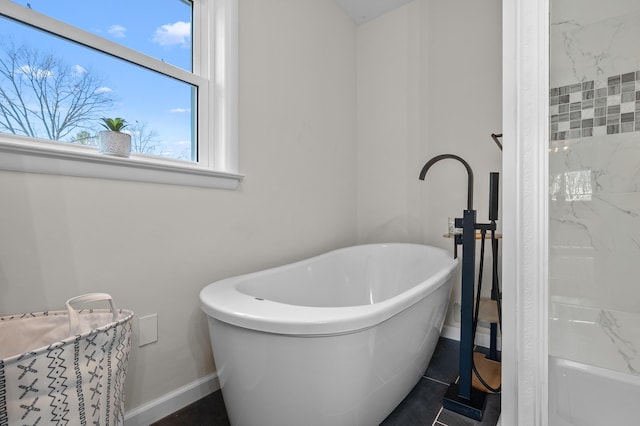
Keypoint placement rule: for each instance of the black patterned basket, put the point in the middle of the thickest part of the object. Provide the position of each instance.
(65, 367)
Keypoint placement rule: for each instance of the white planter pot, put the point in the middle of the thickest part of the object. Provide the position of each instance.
(114, 143)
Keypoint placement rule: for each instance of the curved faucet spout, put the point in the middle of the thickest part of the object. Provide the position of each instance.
(437, 158)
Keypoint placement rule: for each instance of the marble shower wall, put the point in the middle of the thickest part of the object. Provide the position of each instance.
(594, 166)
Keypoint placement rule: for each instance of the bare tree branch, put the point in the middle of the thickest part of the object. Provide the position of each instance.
(143, 140)
(42, 97)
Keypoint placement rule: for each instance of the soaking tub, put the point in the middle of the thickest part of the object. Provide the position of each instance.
(337, 339)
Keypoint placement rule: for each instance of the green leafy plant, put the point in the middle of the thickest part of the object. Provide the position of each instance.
(114, 124)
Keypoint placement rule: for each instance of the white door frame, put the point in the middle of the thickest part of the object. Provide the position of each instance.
(525, 212)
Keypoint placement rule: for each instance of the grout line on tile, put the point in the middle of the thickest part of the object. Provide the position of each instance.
(435, 380)
(435, 421)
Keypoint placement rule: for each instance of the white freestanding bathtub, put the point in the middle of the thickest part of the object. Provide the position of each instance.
(337, 339)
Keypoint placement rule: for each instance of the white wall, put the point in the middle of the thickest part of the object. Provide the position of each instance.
(154, 247)
(429, 83)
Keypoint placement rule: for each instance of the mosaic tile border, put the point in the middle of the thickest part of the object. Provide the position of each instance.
(597, 107)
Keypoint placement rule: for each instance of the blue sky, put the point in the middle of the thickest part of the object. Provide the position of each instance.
(158, 28)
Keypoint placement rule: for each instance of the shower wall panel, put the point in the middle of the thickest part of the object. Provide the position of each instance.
(594, 178)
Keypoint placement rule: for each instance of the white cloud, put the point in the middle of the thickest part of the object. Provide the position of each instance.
(181, 143)
(177, 33)
(103, 89)
(79, 69)
(179, 110)
(39, 73)
(117, 31)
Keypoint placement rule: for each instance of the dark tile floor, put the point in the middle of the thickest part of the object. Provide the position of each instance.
(423, 405)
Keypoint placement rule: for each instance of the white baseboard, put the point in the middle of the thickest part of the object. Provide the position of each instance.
(450, 332)
(482, 335)
(171, 402)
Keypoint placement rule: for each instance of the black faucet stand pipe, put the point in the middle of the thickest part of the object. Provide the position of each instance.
(437, 158)
(461, 397)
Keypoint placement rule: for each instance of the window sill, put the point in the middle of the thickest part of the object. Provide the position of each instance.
(87, 162)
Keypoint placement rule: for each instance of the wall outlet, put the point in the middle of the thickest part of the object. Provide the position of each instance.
(147, 329)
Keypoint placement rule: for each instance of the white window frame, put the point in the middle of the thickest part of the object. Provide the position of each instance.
(215, 59)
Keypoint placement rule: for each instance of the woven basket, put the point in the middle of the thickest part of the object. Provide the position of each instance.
(65, 367)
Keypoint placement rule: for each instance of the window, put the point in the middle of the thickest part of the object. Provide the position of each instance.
(168, 67)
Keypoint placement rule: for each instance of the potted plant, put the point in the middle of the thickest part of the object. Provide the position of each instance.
(113, 141)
